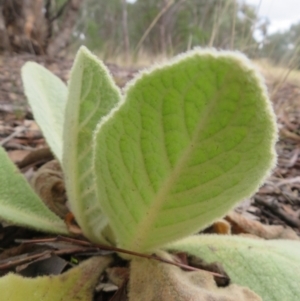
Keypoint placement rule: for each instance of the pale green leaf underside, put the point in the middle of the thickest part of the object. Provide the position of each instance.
(192, 138)
(20, 205)
(77, 284)
(47, 96)
(92, 94)
(270, 268)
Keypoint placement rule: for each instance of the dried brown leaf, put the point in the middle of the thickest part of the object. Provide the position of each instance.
(18, 155)
(155, 281)
(48, 183)
(240, 224)
(117, 275)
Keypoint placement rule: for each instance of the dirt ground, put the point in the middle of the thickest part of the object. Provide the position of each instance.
(276, 203)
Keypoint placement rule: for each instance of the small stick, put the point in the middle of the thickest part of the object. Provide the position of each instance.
(12, 135)
(277, 210)
(108, 248)
(21, 260)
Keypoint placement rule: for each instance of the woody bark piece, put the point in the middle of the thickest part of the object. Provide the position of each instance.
(62, 39)
(4, 43)
(25, 25)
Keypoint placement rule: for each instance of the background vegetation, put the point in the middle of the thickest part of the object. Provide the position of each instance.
(143, 28)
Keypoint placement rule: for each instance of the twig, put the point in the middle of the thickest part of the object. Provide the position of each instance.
(155, 20)
(18, 146)
(14, 262)
(289, 134)
(119, 250)
(59, 12)
(276, 209)
(13, 135)
(21, 260)
(288, 181)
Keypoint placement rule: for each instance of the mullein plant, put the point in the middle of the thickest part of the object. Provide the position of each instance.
(148, 167)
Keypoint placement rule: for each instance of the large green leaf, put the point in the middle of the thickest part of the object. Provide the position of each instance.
(77, 284)
(192, 138)
(47, 96)
(20, 205)
(270, 268)
(92, 94)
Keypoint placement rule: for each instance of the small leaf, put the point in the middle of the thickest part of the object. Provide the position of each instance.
(20, 205)
(155, 281)
(92, 94)
(192, 138)
(47, 96)
(75, 285)
(270, 268)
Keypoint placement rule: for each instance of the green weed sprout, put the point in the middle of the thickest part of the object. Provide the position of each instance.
(149, 166)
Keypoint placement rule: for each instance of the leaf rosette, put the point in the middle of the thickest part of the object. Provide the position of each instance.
(189, 140)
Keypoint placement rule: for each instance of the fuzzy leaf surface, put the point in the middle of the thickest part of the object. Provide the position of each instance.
(20, 205)
(151, 280)
(77, 284)
(192, 138)
(47, 96)
(92, 94)
(271, 268)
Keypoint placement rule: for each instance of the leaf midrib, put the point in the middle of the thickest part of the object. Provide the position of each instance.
(141, 236)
